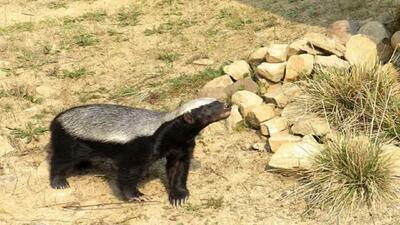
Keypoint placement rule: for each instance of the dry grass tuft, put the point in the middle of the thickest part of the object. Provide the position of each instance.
(350, 174)
(365, 98)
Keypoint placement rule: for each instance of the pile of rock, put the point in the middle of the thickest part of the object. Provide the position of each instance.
(263, 89)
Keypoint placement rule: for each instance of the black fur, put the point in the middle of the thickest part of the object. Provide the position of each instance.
(174, 140)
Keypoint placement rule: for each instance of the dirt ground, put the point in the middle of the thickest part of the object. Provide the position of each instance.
(140, 53)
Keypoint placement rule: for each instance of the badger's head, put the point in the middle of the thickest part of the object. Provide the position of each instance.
(205, 111)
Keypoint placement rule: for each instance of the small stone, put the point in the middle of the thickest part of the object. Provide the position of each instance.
(246, 83)
(233, 121)
(277, 97)
(276, 140)
(258, 55)
(5, 146)
(295, 155)
(5, 64)
(331, 62)
(277, 53)
(326, 44)
(46, 91)
(3, 73)
(246, 99)
(385, 52)
(238, 69)
(273, 126)
(395, 40)
(261, 147)
(342, 30)
(19, 71)
(311, 126)
(258, 114)
(272, 71)
(375, 31)
(299, 64)
(360, 50)
(203, 62)
(217, 93)
(219, 82)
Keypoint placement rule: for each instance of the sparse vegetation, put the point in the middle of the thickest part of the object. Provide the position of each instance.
(168, 57)
(85, 39)
(20, 91)
(78, 73)
(366, 98)
(128, 17)
(97, 16)
(233, 19)
(350, 174)
(57, 4)
(30, 132)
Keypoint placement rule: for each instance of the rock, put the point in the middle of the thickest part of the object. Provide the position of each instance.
(245, 99)
(234, 119)
(47, 92)
(258, 114)
(317, 40)
(277, 53)
(293, 112)
(385, 52)
(277, 97)
(3, 73)
(295, 155)
(261, 147)
(291, 90)
(238, 69)
(276, 140)
(360, 50)
(5, 146)
(258, 55)
(203, 62)
(395, 40)
(217, 93)
(342, 30)
(311, 126)
(375, 31)
(272, 71)
(246, 83)
(273, 126)
(219, 82)
(301, 46)
(331, 62)
(297, 65)
(392, 153)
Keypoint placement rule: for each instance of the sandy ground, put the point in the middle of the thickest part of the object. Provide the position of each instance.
(139, 53)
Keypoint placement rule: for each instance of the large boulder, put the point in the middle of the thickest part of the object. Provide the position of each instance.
(375, 31)
(238, 69)
(258, 55)
(273, 126)
(342, 30)
(331, 62)
(298, 64)
(272, 71)
(311, 126)
(246, 99)
(276, 140)
(246, 83)
(277, 53)
(235, 119)
(360, 50)
(217, 93)
(219, 82)
(301, 46)
(295, 155)
(259, 114)
(324, 43)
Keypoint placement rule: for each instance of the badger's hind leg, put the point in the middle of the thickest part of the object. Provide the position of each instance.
(62, 159)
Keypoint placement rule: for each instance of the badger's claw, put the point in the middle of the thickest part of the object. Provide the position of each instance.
(178, 197)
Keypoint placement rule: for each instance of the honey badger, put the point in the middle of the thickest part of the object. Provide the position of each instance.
(134, 138)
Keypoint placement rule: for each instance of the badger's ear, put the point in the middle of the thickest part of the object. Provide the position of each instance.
(188, 117)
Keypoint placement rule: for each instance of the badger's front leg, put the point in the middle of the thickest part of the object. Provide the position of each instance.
(178, 164)
(129, 175)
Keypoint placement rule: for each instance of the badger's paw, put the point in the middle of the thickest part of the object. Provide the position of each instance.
(136, 196)
(59, 183)
(178, 197)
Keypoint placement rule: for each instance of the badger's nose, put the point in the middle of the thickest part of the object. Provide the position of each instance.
(227, 105)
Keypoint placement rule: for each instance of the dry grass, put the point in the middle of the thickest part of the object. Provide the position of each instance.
(366, 98)
(350, 174)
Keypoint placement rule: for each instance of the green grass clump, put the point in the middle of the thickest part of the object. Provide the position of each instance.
(367, 98)
(30, 132)
(190, 82)
(128, 17)
(85, 39)
(350, 174)
(97, 16)
(78, 73)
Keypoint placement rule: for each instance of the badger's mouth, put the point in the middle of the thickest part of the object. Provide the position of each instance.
(226, 112)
